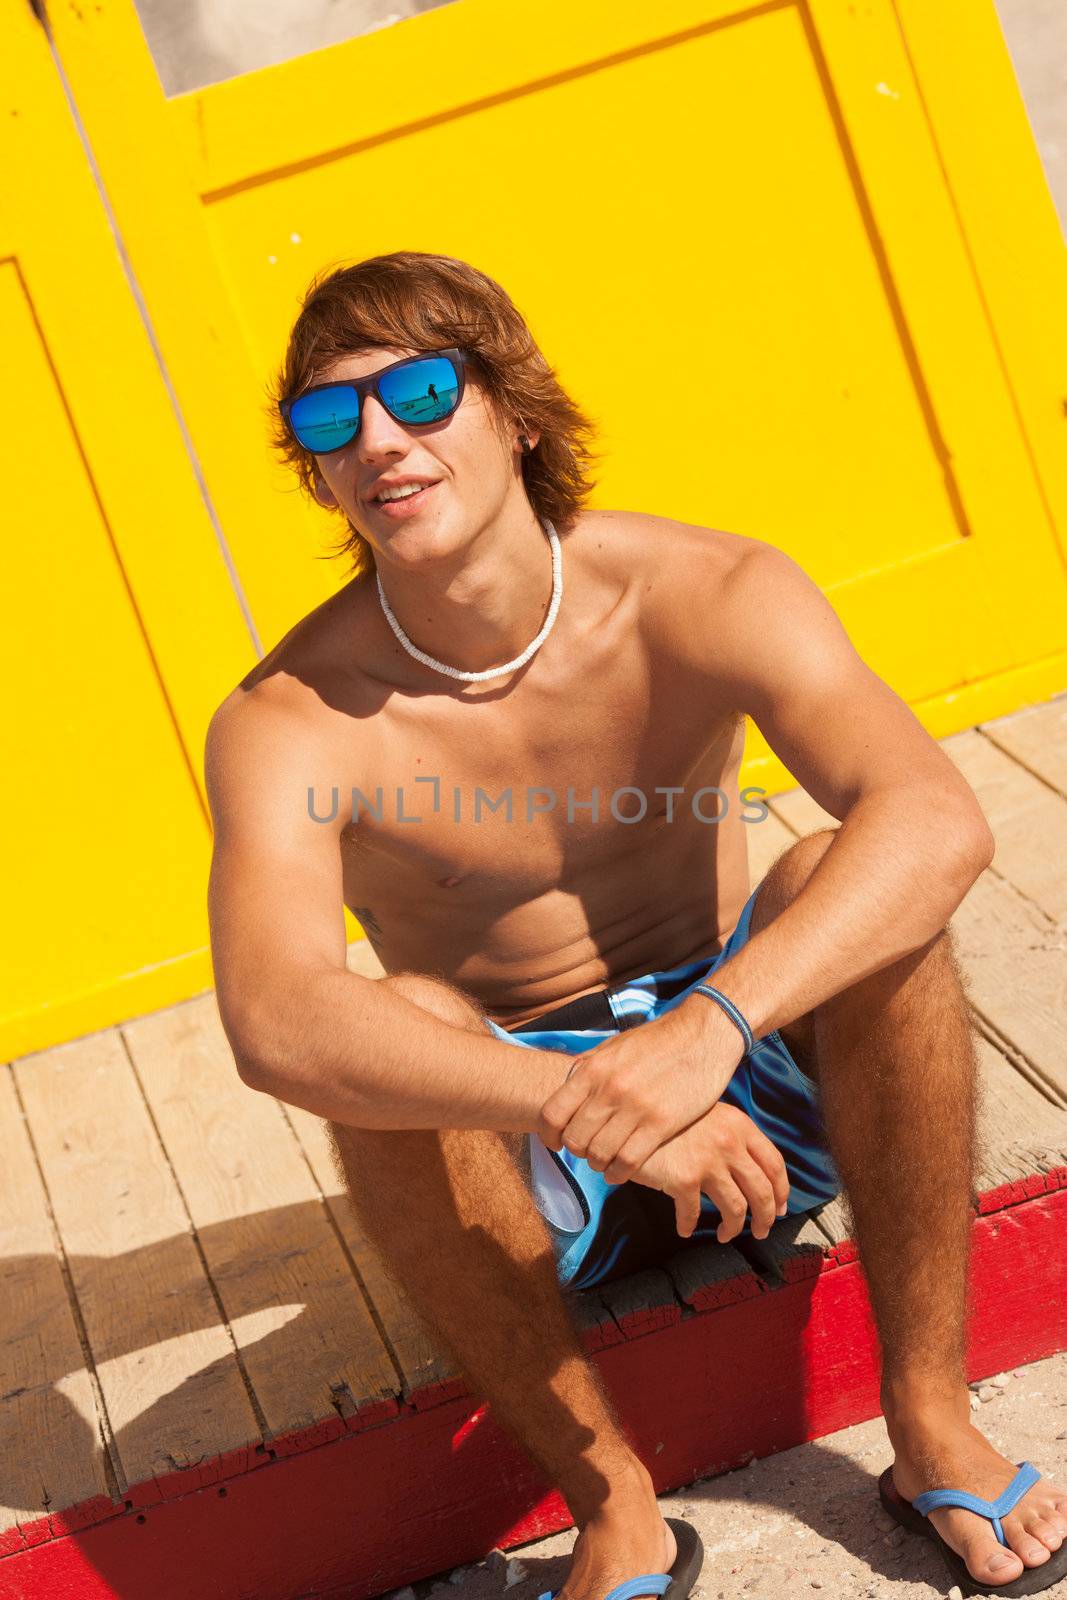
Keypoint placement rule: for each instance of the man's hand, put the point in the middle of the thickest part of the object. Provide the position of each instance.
(725, 1156)
(629, 1095)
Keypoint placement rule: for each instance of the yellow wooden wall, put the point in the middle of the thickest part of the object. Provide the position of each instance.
(120, 622)
(825, 224)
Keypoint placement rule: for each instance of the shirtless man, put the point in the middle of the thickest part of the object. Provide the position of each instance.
(573, 923)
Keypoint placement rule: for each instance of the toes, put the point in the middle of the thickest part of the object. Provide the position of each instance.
(1046, 1530)
(989, 1562)
(1022, 1541)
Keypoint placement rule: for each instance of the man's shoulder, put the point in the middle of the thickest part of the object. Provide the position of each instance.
(294, 681)
(257, 732)
(670, 546)
(280, 713)
(268, 696)
(680, 564)
(710, 600)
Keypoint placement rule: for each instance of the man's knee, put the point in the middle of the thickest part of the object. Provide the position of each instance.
(939, 964)
(792, 871)
(450, 1005)
(789, 875)
(443, 999)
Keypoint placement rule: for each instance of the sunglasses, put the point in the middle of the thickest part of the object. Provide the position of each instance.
(415, 391)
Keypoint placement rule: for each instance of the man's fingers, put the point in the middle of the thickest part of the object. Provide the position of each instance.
(604, 1120)
(606, 1144)
(733, 1207)
(755, 1185)
(561, 1106)
(586, 1126)
(642, 1143)
(624, 1144)
(687, 1211)
(770, 1158)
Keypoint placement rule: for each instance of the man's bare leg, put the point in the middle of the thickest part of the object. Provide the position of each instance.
(453, 1221)
(894, 1059)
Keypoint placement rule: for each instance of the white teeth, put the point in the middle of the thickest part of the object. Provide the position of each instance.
(403, 492)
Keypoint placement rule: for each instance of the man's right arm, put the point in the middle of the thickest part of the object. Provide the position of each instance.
(301, 1026)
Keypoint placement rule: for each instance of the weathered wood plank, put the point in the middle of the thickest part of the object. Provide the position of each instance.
(164, 1357)
(801, 813)
(422, 1365)
(307, 1338)
(708, 1275)
(1037, 738)
(796, 1247)
(642, 1301)
(361, 958)
(592, 1318)
(1019, 1132)
(832, 1222)
(1029, 821)
(1015, 960)
(50, 1431)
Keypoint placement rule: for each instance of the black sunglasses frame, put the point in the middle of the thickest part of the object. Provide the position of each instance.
(461, 359)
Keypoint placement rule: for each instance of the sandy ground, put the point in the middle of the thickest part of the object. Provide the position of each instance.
(1036, 33)
(807, 1519)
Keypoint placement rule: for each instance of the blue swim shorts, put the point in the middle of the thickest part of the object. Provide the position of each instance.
(602, 1231)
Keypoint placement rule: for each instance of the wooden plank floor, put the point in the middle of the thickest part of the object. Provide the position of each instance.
(185, 1284)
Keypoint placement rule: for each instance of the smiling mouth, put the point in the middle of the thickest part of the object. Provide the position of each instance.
(404, 499)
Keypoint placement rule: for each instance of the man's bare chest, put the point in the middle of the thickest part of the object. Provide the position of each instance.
(509, 805)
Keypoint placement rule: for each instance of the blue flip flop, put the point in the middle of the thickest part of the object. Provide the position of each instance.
(683, 1574)
(914, 1515)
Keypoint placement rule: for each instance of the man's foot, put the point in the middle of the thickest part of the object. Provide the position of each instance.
(618, 1543)
(944, 1450)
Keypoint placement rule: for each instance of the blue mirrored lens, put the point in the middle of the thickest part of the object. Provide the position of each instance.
(327, 418)
(425, 391)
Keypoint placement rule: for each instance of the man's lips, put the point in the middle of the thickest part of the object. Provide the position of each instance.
(409, 502)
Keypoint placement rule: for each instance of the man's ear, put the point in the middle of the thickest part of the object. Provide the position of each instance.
(322, 491)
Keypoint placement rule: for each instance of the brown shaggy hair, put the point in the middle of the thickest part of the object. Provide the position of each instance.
(411, 300)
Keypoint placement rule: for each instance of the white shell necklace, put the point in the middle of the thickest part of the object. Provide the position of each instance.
(519, 661)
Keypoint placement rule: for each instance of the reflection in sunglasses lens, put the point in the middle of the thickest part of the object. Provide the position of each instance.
(425, 391)
(327, 418)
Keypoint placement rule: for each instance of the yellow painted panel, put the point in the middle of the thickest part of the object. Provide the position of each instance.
(1007, 214)
(145, 175)
(734, 341)
(928, 256)
(104, 825)
(113, 394)
(114, 579)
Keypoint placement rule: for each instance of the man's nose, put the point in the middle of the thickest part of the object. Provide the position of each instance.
(379, 432)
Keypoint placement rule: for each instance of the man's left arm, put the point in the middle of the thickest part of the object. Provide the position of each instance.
(912, 841)
(913, 838)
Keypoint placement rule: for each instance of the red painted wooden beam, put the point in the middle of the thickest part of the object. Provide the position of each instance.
(351, 1510)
